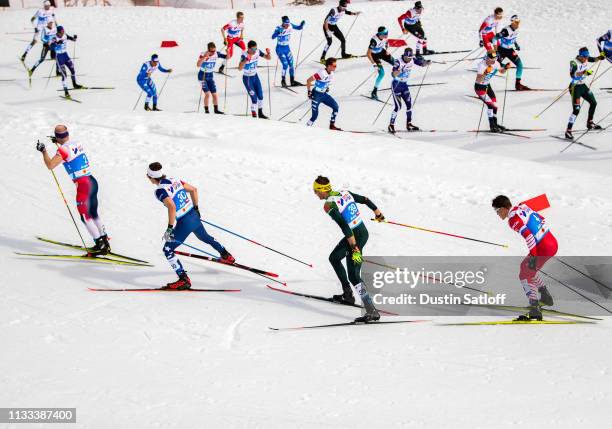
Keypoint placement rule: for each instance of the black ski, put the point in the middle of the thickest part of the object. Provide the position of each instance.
(286, 87)
(219, 261)
(534, 90)
(69, 98)
(225, 74)
(162, 290)
(448, 52)
(417, 84)
(333, 325)
(77, 246)
(574, 142)
(89, 87)
(421, 130)
(525, 309)
(374, 99)
(323, 298)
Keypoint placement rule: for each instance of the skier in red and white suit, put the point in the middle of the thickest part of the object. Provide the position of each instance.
(489, 28)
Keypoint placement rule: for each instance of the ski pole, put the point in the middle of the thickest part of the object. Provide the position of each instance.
(255, 242)
(297, 60)
(442, 233)
(275, 72)
(505, 96)
(583, 273)
(420, 86)
(309, 54)
(293, 110)
(137, 101)
(50, 73)
(553, 102)
(59, 188)
(269, 90)
(575, 291)
(305, 113)
(347, 34)
(163, 86)
(217, 258)
(199, 98)
(366, 79)
(458, 61)
(225, 87)
(584, 133)
(479, 121)
(383, 107)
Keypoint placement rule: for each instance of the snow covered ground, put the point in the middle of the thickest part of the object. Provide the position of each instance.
(209, 360)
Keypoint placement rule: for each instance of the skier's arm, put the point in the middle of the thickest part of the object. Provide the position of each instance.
(400, 20)
(517, 224)
(51, 163)
(243, 61)
(201, 59)
(326, 23)
(276, 33)
(266, 55)
(600, 42)
(192, 191)
(171, 210)
(365, 200)
(163, 70)
(298, 27)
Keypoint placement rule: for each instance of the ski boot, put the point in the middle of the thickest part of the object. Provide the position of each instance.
(221, 68)
(295, 82)
(155, 109)
(493, 126)
(346, 297)
(260, 114)
(283, 82)
(217, 111)
(23, 57)
(66, 93)
(332, 126)
(31, 71)
(546, 298)
(146, 107)
(322, 60)
(569, 135)
(254, 113)
(370, 316)
(374, 94)
(428, 51)
(346, 56)
(592, 125)
(411, 127)
(206, 109)
(227, 258)
(182, 283)
(102, 246)
(534, 313)
(391, 129)
(75, 85)
(501, 127)
(520, 87)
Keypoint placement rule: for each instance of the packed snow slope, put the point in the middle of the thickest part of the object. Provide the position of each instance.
(209, 360)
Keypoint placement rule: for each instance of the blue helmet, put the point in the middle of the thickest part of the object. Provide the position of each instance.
(60, 28)
(583, 52)
(154, 57)
(286, 20)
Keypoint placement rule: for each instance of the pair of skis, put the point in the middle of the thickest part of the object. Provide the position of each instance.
(111, 258)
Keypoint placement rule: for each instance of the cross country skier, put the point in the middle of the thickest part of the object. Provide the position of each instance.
(604, 44)
(488, 29)
(509, 47)
(282, 34)
(401, 73)
(377, 51)
(40, 19)
(58, 44)
(47, 35)
(542, 246)
(145, 81)
(233, 34)
(320, 93)
(342, 208)
(330, 27)
(207, 62)
(181, 200)
(488, 68)
(410, 22)
(579, 70)
(72, 155)
(250, 78)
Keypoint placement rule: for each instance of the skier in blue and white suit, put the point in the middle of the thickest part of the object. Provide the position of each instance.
(282, 34)
(146, 83)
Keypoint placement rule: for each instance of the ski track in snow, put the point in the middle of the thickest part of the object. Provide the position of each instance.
(158, 360)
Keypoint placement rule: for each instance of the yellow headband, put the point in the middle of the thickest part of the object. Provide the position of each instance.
(321, 188)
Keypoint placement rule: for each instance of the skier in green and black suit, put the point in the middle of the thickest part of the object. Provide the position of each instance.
(579, 70)
(341, 206)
